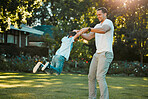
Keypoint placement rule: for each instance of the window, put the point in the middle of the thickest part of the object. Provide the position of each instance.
(10, 39)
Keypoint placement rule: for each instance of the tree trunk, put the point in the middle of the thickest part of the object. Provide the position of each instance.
(141, 59)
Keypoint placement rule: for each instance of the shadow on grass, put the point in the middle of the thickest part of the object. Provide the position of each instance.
(67, 86)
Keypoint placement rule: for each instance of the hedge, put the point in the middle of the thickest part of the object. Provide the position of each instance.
(26, 63)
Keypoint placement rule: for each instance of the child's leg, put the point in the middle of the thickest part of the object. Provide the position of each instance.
(36, 67)
(45, 66)
(54, 69)
(48, 66)
(56, 64)
(59, 64)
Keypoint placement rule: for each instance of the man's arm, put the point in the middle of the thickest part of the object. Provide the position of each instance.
(100, 30)
(88, 36)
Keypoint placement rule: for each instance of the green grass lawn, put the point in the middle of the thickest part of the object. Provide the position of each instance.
(67, 86)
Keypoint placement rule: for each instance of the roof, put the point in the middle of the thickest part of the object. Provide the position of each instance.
(26, 28)
(47, 29)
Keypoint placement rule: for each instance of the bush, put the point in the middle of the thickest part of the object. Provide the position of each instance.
(20, 63)
(26, 63)
(124, 67)
(78, 67)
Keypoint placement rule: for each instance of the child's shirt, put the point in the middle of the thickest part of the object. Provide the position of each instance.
(66, 46)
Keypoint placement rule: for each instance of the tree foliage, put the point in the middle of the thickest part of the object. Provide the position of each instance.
(16, 12)
(65, 14)
(132, 27)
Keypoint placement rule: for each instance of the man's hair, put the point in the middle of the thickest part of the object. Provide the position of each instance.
(104, 10)
(72, 34)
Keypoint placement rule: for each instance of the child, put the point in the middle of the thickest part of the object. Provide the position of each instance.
(61, 55)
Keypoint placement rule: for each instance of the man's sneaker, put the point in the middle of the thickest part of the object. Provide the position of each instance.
(43, 68)
(36, 67)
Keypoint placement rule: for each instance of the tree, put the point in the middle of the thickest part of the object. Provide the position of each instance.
(65, 14)
(16, 12)
(137, 26)
(139, 40)
(40, 15)
(131, 27)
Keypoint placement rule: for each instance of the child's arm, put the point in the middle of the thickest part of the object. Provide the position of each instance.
(78, 33)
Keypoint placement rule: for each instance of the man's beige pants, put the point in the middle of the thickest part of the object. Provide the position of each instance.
(97, 72)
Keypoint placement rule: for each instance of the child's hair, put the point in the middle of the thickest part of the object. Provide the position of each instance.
(72, 34)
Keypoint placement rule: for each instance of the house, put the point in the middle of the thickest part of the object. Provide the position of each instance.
(19, 36)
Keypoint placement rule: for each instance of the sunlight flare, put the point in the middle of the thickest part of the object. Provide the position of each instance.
(139, 85)
(116, 87)
(10, 76)
(14, 85)
(79, 84)
(145, 79)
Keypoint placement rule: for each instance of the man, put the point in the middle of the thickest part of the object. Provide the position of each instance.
(61, 54)
(103, 34)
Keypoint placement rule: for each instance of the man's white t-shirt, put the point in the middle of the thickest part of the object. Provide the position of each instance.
(66, 46)
(104, 41)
